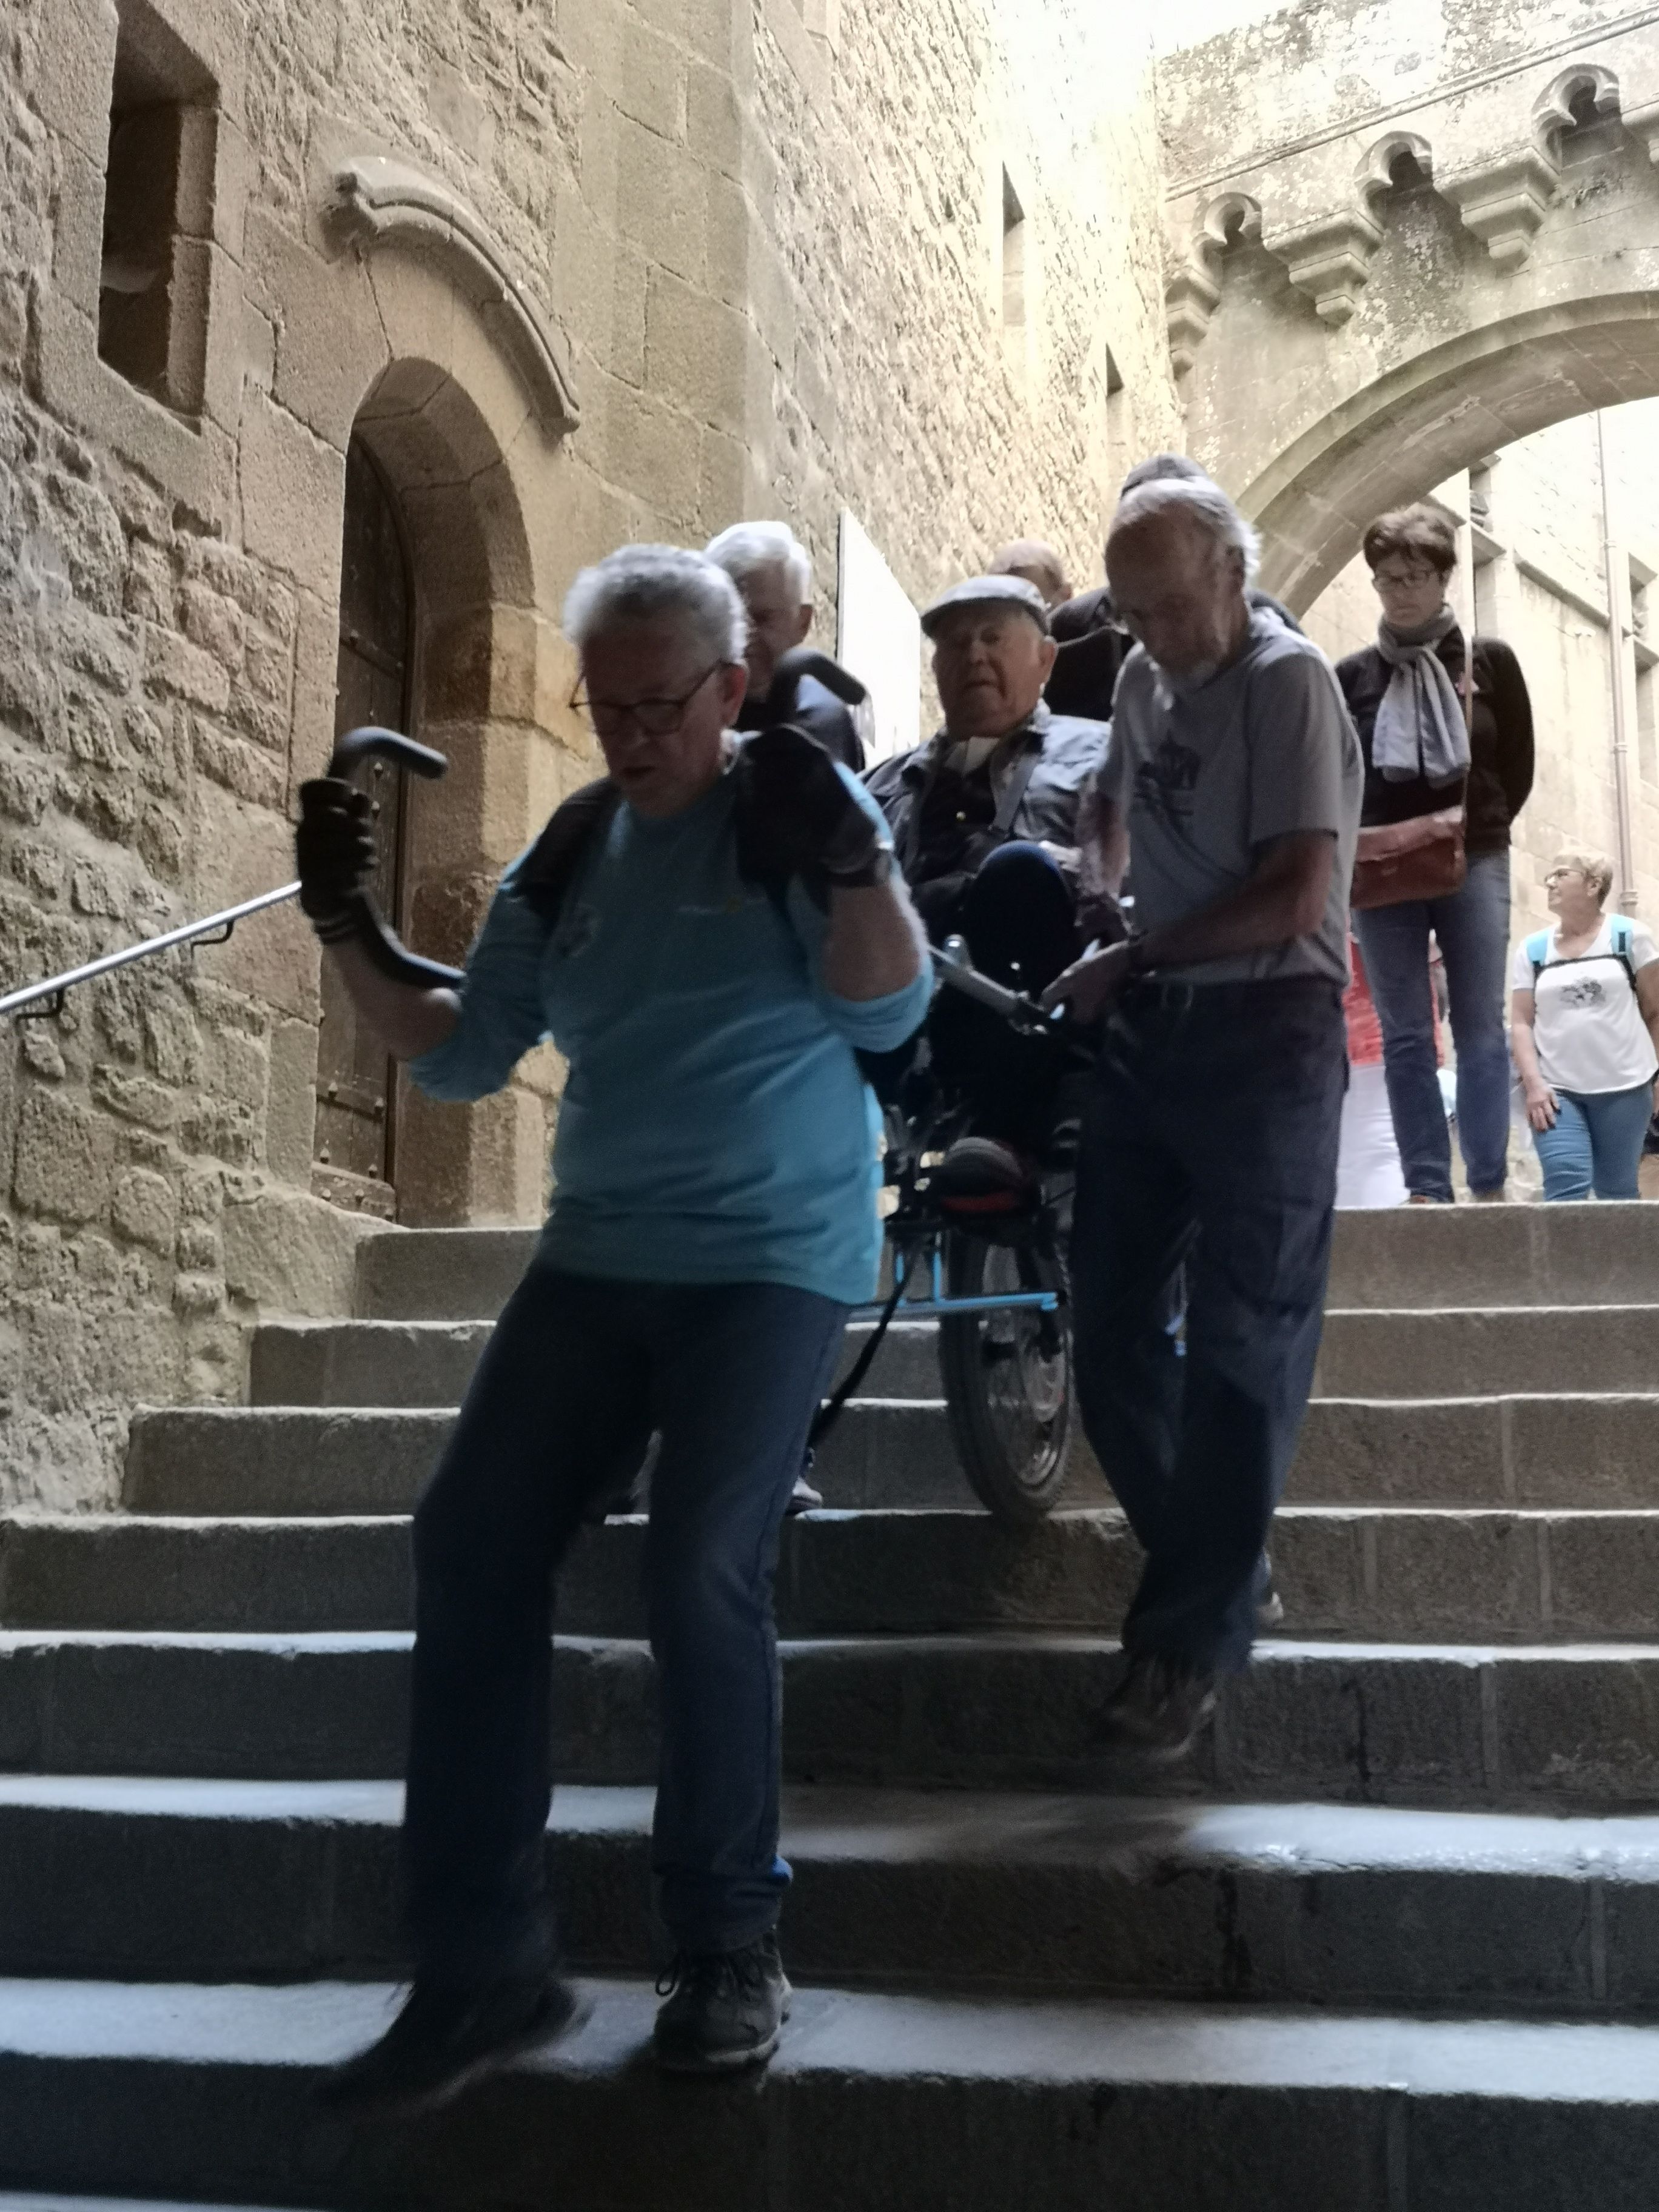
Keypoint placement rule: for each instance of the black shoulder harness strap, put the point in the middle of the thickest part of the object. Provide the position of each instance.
(554, 860)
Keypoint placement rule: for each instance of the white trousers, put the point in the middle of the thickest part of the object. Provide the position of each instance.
(1367, 1165)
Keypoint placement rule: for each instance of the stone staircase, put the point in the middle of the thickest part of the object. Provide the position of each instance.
(1391, 1946)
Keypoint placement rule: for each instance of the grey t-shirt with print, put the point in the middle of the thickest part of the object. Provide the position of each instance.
(1208, 777)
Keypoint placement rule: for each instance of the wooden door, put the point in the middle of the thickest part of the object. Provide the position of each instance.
(355, 1139)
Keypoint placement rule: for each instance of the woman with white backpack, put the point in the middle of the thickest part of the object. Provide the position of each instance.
(1584, 1029)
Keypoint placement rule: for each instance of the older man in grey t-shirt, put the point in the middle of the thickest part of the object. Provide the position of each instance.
(1232, 791)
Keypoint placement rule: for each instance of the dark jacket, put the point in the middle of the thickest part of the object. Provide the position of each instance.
(1500, 744)
(821, 715)
(1068, 751)
(1093, 649)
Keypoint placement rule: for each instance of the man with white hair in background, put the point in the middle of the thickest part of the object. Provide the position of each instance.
(707, 936)
(773, 572)
(1232, 787)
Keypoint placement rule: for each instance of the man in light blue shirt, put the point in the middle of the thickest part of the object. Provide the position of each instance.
(729, 933)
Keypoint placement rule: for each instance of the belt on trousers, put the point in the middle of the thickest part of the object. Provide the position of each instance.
(1146, 993)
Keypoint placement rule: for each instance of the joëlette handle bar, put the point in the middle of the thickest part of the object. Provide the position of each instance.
(392, 958)
(953, 965)
(801, 660)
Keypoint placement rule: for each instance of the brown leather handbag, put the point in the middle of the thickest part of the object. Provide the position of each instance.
(1422, 858)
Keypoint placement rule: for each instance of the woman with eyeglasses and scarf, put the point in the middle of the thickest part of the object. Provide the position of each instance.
(1430, 743)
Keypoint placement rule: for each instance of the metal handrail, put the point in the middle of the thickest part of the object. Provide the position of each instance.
(191, 933)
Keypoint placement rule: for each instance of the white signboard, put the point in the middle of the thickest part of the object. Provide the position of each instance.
(878, 638)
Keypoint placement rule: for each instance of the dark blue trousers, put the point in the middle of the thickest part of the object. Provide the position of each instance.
(1211, 1140)
(574, 1379)
(1020, 922)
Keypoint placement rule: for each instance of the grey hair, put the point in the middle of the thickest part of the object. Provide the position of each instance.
(748, 548)
(1208, 506)
(1157, 467)
(649, 583)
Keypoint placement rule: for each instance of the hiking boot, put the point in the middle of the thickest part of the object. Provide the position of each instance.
(445, 2038)
(1157, 1710)
(725, 2009)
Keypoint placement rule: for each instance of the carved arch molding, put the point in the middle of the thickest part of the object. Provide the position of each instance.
(375, 201)
(1502, 197)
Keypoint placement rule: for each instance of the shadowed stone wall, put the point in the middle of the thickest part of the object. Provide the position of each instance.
(576, 274)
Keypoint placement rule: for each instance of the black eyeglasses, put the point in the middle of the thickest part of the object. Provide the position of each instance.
(654, 718)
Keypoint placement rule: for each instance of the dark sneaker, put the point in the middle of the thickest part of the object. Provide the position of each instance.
(802, 1498)
(1157, 1709)
(723, 2011)
(444, 2039)
(981, 1175)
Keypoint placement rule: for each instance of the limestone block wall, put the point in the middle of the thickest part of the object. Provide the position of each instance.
(575, 274)
(899, 383)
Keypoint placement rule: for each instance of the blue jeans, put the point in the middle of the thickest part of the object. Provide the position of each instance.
(1597, 1143)
(1211, 1137)
(575, 1377)
(1472, 929)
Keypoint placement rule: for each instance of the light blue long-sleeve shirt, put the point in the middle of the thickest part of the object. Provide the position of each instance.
(714, 1126)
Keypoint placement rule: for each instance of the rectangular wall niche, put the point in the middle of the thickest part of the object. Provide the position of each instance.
(158, 212)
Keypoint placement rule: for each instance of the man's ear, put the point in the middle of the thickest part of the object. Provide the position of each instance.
(734, 686)
(1049, 650)
(803, 624)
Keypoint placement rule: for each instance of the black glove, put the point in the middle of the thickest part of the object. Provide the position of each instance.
(795, 816)
(334, 847)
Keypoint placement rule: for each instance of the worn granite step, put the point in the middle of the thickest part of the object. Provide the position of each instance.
(1457, 1256)
(1460, 1725)
(891, 2103)
(426, 1362)
(1412, 1354)
(1342, 1571)
(163, 1880)
(1587, 1450)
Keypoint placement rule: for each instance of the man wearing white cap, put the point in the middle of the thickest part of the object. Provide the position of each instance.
(985, 827)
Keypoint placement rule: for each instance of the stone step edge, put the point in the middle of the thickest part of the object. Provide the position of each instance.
(1288, 1839)
(101, 1523)
(1275, 1651)
(839, 2034)
(315, 1324)
(29, 2202)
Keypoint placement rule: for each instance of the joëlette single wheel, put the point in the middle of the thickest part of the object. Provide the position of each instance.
(1007, 1373)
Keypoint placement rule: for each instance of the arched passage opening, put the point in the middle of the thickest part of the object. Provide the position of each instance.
(1436, 414)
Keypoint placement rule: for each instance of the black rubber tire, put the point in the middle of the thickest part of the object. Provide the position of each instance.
(1019, 1481)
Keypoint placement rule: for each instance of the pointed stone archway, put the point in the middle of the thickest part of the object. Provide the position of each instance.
(1360, 308)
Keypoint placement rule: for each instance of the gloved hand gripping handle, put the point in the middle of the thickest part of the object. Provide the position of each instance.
(368, 925)
(802, 660)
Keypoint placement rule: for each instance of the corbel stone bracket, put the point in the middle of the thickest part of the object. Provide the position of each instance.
(1505, 202)
(1192, 295)
(375, 201)
(1330, 260)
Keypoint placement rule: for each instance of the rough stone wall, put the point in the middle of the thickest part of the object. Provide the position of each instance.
(732, 216)
(1351, 330)
(899, 390)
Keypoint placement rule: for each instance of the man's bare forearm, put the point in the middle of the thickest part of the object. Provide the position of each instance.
(407, 1017)
(875, 944)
